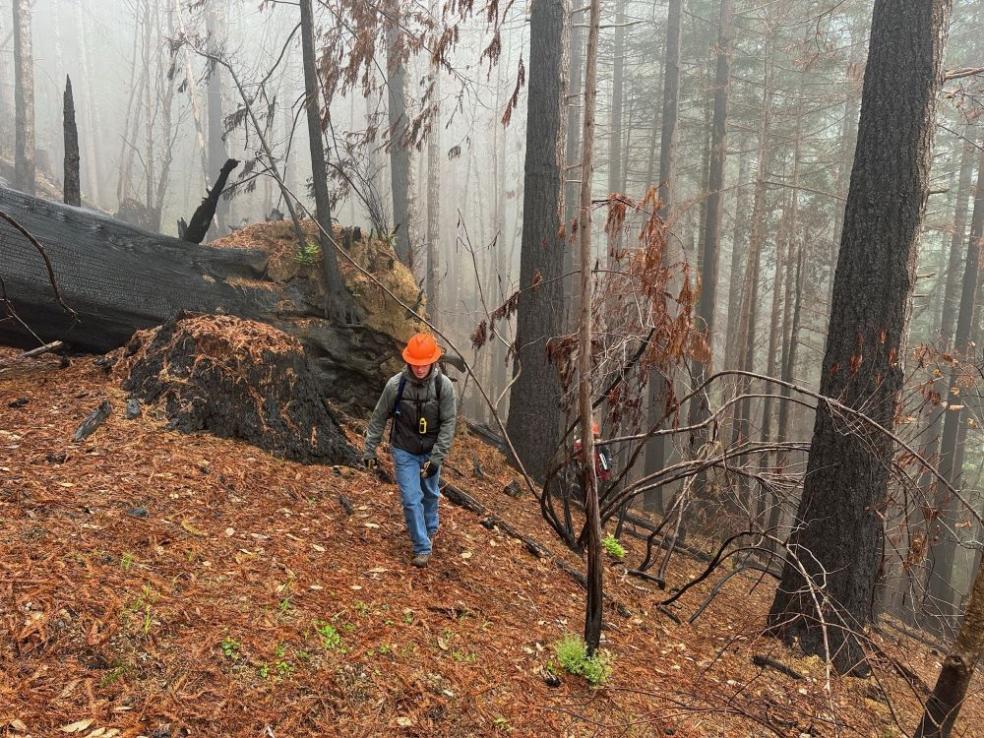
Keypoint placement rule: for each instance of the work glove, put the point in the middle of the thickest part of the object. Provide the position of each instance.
(429, 469)
(370, 463)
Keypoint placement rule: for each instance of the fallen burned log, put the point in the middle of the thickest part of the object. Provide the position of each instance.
(119, 279)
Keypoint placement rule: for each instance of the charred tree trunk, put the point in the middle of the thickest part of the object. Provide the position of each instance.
(398, 122)
(589, 482)
(72, 187)
(24, 166)
(535, 398)
(838, 519)
(943, 541)
(945, 702)
(194, 231)
(339, 304)
(216, 120)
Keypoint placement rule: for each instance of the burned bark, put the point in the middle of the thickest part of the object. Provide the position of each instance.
(120, 279)
(838, 524)
(72, 187)
(195, 231)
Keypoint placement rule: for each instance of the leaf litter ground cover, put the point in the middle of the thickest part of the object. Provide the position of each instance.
(159, 584)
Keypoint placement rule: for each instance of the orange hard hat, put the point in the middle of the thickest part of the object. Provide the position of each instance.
(421, 350)
(595, 428)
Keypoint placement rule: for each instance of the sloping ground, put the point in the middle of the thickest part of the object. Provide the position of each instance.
(159, 584)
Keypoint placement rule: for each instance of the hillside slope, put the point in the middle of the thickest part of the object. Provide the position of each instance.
(163, 585)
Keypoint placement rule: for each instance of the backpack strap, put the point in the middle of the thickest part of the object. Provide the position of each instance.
(399, 395)
(395, 412)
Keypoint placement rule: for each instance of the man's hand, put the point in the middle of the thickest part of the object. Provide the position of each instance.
(429, 469)
(370, 463)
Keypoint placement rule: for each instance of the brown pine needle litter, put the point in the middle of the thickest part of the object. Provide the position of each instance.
(160, 584)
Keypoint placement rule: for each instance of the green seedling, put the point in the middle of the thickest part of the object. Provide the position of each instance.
(331, 639)
(612, 547)
(230, 648)
(308, 253)
(126, 561)
(572, 655)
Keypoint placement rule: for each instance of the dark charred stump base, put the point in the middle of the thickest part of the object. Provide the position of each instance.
(234, 378)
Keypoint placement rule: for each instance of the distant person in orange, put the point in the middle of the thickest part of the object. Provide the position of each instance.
(421, 401)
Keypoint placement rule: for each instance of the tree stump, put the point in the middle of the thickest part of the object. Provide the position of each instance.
(235, 378)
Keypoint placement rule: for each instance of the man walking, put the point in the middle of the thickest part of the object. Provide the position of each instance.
(421, 401)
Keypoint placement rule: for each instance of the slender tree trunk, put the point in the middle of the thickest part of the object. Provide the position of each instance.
(838, 520)
(947, 698)
(91, 119)
(72, 189)
(738, 253)
(535, 397)
(572, 182)
(216, 120)
(750, 289)
(339, 304)
(434, 196)
(593, 611)
(659, 386)
(715, 189)
(615, 122)
(25, 175)
(398, 123)
(943, 540)
(951, 297)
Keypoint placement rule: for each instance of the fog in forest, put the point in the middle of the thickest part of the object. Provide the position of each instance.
(762, 272)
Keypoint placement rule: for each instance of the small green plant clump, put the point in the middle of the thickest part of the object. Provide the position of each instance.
(612, 547)
(331, 639)
(230, 648)
(307, 253)
(572, 655)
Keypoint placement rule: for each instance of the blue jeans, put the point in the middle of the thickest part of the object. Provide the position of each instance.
(420, 498)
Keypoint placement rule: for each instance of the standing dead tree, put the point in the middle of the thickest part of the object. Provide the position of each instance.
(72, 186)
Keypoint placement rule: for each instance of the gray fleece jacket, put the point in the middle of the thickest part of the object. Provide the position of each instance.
(416, 392)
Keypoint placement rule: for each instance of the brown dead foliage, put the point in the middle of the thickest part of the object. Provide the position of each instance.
(153, 583)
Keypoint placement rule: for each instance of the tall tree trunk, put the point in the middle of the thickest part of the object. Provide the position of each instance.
(338, 304)
(398, 123)
(535, 397)
(595, 569)
(72, 189)
(216, 120)
(25, 175)
(615, 121)
(845, 157)
(951, 297)
(846, 482)
(434, 195)
(943, 540)
(794, 292)
(750, 289)
(572, 157)
(947, 698)
(659, 387)
(739, 245)
(715, 189)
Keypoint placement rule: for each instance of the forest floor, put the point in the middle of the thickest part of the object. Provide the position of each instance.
(162, 585)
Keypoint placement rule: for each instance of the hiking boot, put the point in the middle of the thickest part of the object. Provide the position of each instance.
(420, 560)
